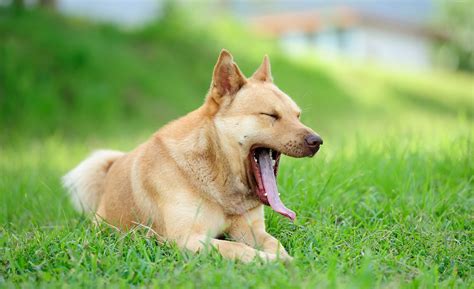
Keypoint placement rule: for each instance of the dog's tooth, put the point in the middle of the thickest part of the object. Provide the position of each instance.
(265, 194)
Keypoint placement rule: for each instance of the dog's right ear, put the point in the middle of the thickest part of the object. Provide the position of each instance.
(264, 72)
(227, 78)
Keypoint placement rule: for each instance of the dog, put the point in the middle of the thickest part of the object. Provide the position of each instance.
(206, 174)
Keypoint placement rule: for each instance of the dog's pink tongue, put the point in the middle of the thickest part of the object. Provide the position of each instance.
(269, 183)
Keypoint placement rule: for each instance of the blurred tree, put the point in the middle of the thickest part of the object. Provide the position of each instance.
(18, 5)
(50, 4)
(457, 19)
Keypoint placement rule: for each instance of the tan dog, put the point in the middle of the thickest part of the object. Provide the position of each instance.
(207, 173)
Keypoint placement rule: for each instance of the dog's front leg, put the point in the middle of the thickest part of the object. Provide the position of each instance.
(228, 249)
(250, 229)
(193, 223)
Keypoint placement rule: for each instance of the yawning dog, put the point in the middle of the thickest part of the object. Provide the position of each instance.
(207, 173)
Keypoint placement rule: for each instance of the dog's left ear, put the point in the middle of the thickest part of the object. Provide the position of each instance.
(264, 72)
(227, 78)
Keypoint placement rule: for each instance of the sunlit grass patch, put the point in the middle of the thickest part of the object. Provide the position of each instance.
(370, 212)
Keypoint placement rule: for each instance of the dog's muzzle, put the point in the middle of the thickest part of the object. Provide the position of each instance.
(313, 142)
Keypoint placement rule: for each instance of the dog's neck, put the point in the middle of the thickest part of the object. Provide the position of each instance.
(214, 166)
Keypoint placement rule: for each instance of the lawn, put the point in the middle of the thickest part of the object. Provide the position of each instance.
(387, 203)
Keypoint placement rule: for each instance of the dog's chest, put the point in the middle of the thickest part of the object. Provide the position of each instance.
(215, 179)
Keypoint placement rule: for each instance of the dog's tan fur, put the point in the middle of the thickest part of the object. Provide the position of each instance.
(191, 181)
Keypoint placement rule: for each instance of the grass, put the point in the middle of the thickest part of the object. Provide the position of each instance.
(387, 203)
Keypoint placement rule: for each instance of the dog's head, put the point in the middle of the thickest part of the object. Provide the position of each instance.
(259, 122)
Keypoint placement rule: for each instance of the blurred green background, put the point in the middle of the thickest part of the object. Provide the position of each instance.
(386, 203)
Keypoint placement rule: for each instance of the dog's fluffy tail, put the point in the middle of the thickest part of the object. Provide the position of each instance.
(85, 183)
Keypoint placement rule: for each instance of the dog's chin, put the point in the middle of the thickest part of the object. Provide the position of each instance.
(300, 152)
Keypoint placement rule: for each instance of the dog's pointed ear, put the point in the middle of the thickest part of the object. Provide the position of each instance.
(264, 72)
(227, 78)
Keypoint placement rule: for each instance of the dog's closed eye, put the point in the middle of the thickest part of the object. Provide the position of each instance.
(272, 115)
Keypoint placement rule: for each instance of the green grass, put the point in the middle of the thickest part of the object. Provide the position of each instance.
(387, 203)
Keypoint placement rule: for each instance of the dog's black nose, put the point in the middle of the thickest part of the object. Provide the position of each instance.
(313, 141)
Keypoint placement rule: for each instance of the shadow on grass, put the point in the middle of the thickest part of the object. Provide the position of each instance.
(435, 106)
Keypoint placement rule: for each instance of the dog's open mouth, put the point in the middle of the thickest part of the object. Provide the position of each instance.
(264, 163)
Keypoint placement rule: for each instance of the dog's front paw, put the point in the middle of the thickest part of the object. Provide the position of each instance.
(266, 257)
(287, 259)
(271, 257)
(282, 255)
